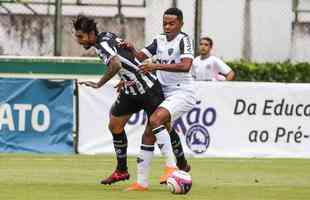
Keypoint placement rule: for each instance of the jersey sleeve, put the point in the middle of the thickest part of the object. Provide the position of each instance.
(193, 68)
(106, 51)
(221, 66)
(186, 48)
(151, 49)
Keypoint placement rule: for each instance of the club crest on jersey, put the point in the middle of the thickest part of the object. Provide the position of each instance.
(170, 51)
(194, 126)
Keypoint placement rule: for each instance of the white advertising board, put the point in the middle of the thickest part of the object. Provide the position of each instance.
(231, 119)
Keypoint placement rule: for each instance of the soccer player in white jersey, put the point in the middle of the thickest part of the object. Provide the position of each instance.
(174, 52)
(207, 67)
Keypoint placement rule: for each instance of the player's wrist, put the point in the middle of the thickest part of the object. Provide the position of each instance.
(160, 66)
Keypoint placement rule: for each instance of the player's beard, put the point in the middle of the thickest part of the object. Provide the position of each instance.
(86, 46)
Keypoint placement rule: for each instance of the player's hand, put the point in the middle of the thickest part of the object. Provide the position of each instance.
(126, 45)
(147, 67)
(120, 86)
(90, 84)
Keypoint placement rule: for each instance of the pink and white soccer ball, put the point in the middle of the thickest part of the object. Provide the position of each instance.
(180, 182)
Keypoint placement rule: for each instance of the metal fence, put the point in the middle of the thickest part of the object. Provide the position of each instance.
(256, 30)
(50, 20)
(43, 27)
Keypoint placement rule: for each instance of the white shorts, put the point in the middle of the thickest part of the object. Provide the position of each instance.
(179, 99)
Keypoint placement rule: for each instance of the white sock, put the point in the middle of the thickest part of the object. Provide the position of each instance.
(144, 164)
(164, 144)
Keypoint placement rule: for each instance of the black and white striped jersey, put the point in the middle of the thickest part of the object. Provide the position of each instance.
(136, 83)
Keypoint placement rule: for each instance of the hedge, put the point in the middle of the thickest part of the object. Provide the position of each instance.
(271, 72)
(245, 71)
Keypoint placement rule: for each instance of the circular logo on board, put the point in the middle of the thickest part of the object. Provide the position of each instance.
(198, 138)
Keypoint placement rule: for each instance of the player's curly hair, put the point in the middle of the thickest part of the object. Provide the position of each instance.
(85, 24)
(175, 11)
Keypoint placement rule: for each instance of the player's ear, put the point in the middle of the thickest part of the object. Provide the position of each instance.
(92, 35)
(181, 24)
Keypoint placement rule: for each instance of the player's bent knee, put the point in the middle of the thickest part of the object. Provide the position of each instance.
(115, 128)
(155, 121)
(159, 117)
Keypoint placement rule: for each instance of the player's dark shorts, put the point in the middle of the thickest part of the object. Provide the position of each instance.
(129, 104)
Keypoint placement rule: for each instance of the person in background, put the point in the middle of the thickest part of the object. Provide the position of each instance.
(207, 67)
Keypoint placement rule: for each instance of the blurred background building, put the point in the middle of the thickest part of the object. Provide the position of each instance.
(255, 30)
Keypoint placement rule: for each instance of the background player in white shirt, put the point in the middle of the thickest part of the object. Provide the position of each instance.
(174, 53)
(210, 68)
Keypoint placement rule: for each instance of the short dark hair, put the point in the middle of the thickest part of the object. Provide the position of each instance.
(175, 11)
(208, 39)
(85, 24)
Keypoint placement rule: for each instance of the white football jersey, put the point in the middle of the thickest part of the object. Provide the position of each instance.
(209, 69)
(169, 52)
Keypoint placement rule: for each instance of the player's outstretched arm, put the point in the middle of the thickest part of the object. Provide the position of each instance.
(89, 84)
(113, 68)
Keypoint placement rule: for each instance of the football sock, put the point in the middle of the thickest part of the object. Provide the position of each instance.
(177, 148)
(144, 164)
(120, 147)
(164, 144)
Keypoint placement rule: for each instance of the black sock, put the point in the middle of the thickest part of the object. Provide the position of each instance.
(177, 148)
(120, 147)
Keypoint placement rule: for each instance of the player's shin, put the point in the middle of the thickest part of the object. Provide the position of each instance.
(178, 151)
(144, 164)
(120, 147)
(164, 144)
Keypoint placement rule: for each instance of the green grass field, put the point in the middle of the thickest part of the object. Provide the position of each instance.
(76, 177)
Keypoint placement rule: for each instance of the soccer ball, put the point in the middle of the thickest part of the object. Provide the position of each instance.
(179, 182)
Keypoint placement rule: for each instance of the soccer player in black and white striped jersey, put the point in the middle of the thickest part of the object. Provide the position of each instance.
(142, 91)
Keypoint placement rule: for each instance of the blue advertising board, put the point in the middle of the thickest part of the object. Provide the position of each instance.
(36, 115)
